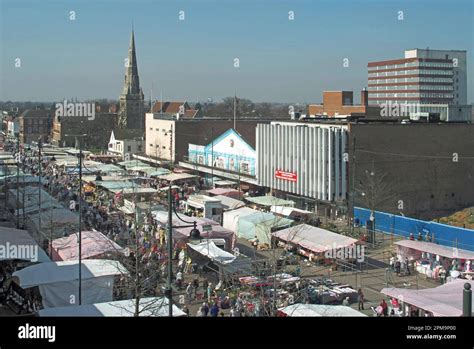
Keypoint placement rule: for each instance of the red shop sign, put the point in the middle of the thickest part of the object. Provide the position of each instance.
(287, 176)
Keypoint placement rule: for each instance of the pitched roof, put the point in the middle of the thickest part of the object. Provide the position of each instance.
(191, 113)
(168, 107)
(36, 113)
(128, 133)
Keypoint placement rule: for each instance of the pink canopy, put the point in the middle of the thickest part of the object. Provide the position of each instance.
(315, 239)
(232, 193)
(217, 232)
(94, 244)
(429, 247)
(445, 300)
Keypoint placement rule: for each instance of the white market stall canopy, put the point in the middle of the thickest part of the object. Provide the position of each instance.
(176, 177)
(94, 243)
(148, 307)
(229, 203)
(268, 200)
(139, 190)
(58, 281)
(210, 250)
(200, 201)
(444, 300)
(288, 211)
(432, 248)
(318, 310)
(231, 218)
(317, 240)
(18, 244)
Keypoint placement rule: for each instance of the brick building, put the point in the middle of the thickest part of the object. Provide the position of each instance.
(338, 103)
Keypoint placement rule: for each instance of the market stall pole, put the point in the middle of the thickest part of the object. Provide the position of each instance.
(18, 160)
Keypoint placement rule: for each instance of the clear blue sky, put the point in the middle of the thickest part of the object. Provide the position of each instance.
(280, 60)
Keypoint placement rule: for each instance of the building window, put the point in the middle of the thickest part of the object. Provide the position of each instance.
(129, 148)
(151, 145)
(244, 167)
(164, 147)
(151, 128)
(139, 148)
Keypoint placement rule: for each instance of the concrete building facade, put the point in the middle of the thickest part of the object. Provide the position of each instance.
(305, 160)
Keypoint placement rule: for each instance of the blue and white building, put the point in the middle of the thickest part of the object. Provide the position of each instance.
(228, 152)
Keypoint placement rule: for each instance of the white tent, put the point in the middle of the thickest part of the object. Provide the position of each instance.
(18, 244)
(231, 218)
(317, 240)
(229, 203)
(209, 249)
(58, 281)
(318, 310)
(149, 307)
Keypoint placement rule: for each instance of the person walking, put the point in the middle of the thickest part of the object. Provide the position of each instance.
(384, 306)
(179, 279)
(360, 299)
(407, 266)
(397, 266)
(215, 310)
(189, 292)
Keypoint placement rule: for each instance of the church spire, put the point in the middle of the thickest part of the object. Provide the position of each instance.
(132, 82)
(131, 113)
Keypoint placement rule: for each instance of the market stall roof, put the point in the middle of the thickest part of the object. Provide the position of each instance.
(435, 249)
(148, 307)
(229, 203)
(116, 185)
(138, 190)
(314, 239)
(268, 200)
(132, 163)
(109, 168)
(176, 177)
(224, 182)
(288, 211)
(53, 272)
(209, 249)
(444, 300)
(94, 243)
(20, 244)
(111, 178)
(55, 217)
(167, 188)
(154, 171)
(200, 200)
(145, 169)
(317, 310)
(224, 191)
(231, 218)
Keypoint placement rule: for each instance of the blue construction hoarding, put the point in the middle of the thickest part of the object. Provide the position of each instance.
(394, 224)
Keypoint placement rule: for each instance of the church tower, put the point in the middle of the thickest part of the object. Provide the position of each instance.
(132, 107)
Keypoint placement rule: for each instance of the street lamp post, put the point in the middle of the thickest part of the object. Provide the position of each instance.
(18, 158)
(80, 214)
(40, 184)
(194, 234)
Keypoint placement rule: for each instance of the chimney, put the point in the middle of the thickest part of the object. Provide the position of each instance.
(364, 97)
